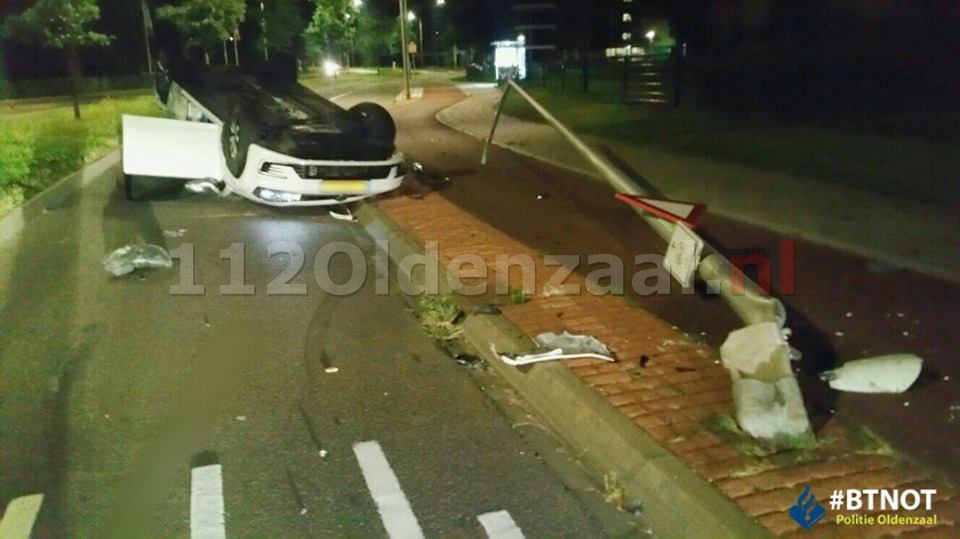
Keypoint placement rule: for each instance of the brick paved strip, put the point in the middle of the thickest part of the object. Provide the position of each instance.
(680, 385)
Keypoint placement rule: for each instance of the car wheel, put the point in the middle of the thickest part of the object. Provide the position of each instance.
(236, 137)
(375, 122)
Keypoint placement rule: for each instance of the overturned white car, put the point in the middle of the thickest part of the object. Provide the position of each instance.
(260, 134)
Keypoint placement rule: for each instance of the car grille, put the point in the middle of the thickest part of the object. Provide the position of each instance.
(330, 172)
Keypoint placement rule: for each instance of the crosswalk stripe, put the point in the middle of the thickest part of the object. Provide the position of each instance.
(18, 519)
(206, 503)
(392, 504)
(500, 525)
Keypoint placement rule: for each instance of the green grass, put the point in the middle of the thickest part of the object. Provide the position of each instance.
(437, 315)
(41, 147)
(872, 158)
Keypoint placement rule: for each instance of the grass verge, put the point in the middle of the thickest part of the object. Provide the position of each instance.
(39, 148)
(870, 158)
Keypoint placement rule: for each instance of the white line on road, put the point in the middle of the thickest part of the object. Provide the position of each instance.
(395, 510)
(341, 96)
(500, 525)
(206, 503)
(21, 514)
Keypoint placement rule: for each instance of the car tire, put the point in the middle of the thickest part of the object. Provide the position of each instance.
(131, 188)
(375, 123)
(236, 137)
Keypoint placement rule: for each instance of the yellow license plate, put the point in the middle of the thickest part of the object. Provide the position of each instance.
(345, 186)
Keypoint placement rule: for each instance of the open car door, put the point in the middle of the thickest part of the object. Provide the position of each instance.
(161, 148)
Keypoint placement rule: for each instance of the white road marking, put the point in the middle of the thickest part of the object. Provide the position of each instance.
(395, 510)
(500, 525)
(206, 503)
(341, 96)
(20, 516)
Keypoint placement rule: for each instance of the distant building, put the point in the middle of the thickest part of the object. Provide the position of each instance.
(538, 24)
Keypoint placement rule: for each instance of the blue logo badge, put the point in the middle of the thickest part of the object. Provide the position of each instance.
(807, 511)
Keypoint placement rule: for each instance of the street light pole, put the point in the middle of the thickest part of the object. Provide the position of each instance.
(403, 45)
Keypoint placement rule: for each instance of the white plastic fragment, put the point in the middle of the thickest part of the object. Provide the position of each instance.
(562, 346)
(749, 350)
(770, 410)
(130, 257)
(883, 374)
(178, 233)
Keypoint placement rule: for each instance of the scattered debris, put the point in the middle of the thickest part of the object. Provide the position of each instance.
(311, 431)
(178, 233)
(417, 166)
(770, 411)
(543, 196)
(470, 360)
(200, 186)
(553, 290)
(486, 308)
(327, 363)
(552, 346)
(838, 333)
(206, 321)
(906, 333)
(130, 257)
(883, 374)
(954, 413)
(341, 212)
(241, 418)
(614, 491)
(849, 314)
(754, 349)
(906, 404)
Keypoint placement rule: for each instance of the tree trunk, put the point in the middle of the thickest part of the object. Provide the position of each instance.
(73, 68)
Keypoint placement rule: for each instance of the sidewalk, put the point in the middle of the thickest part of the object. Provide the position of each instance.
(898, 233)
(676, 392)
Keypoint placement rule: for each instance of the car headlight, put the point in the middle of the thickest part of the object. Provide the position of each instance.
(278, 196)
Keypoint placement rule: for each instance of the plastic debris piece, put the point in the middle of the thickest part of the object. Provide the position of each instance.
(178, 233)
(201, 186)
(241, 418)
(469, 360)
(417, 166)
(543, 196)
(324, 453)
(754, 349)
(563, 346)
(883, 374)
(954, 413)
(487, 308)
(341, 212)
(130, 257)
(553, 290)
(849, 315)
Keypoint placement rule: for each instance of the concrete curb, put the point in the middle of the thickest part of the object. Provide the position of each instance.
(676, 501)
(12, 223)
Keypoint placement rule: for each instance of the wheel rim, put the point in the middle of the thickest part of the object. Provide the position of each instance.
(233, 140)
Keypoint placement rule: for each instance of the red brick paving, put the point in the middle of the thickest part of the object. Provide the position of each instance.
(682, 384)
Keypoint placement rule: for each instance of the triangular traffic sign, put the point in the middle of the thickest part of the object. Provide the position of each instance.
(674, 211)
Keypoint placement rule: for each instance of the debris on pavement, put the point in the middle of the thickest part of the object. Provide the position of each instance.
(893, 373)
(470, 360)
(241, 418)
(552, 347)
(200, 186)
(417, 166)
(954, 413)
(341, 212)
(543, 196)
(487, 309)
(131, 257)
(750, 350)
(178, 233)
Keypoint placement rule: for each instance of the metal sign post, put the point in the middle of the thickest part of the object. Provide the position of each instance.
(403, 46)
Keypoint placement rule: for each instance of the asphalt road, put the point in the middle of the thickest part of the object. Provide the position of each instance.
(113, 389)
(842, 307)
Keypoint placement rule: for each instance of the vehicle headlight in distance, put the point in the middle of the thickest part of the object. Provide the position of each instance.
(278, 196)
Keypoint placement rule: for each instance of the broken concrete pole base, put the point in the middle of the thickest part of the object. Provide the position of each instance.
(767, 398)
(772, 412)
